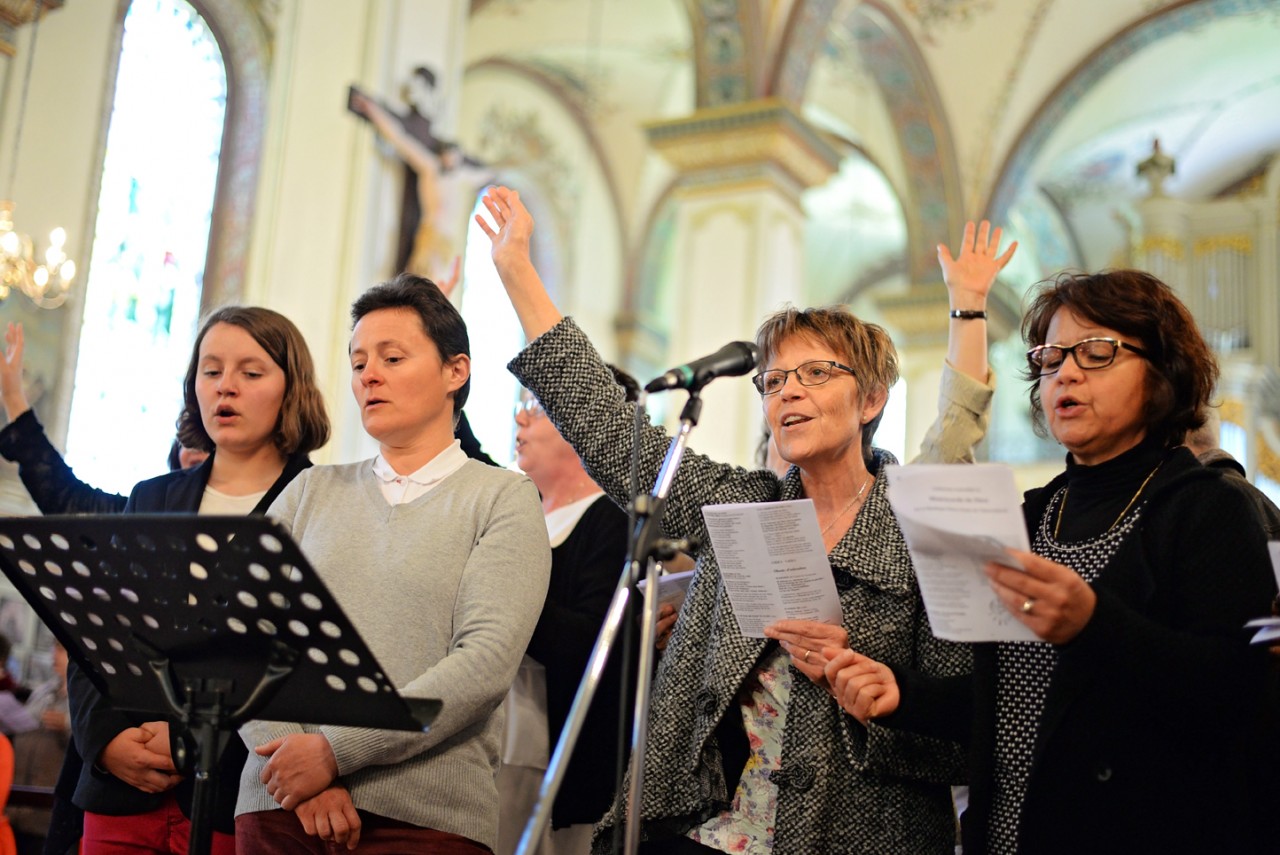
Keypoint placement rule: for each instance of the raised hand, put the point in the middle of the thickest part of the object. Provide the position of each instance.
(12, 394)
(512, 227)
(970, 275)
(510, 233)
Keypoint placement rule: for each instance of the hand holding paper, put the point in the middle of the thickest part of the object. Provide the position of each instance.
(1048, 598)
(772, 563)
(956, 519)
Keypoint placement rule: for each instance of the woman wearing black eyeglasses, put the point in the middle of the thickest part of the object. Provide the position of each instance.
(747, 750)
(1134, 725)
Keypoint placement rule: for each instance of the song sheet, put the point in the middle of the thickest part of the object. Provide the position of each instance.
(956, 518)
(672, 588)
(773, 563)
(1268, 627)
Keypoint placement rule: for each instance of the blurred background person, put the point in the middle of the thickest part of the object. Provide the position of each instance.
(38, 754)
(589, 536)
(1204, 444)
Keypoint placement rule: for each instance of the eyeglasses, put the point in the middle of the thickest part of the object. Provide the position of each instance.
(813, 373)
(530, 407)
(1090, 354)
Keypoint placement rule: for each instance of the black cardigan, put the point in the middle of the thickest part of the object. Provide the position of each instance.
(1153, 723)
(585, 569)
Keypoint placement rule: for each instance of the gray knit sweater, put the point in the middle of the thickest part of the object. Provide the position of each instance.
(445, 590)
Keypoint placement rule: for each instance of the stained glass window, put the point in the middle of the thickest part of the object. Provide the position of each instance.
(152, 232)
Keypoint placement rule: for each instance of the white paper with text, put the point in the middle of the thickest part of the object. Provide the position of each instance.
(955, 518)
(773, 563)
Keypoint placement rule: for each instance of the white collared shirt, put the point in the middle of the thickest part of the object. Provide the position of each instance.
(400, 489)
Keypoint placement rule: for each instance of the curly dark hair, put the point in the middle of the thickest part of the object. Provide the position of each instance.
(303, 424)
(1183, 371)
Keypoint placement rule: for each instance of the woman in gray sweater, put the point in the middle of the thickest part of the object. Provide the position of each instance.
(442, 564)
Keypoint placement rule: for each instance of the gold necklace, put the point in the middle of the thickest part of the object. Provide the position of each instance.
(852, 502)
(1065, 490)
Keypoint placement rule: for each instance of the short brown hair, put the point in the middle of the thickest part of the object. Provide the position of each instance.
(1182, 370)
(441, 322)
(864, 347)
(303, 424)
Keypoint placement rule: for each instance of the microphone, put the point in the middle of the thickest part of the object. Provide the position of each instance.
(732, 360)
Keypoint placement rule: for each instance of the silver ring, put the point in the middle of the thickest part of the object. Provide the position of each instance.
(1027, 605)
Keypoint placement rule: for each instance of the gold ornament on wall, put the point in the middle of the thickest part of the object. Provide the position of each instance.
(48, 284)
(15, 13)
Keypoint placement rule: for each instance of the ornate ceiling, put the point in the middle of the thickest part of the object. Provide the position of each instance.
(1056, 96)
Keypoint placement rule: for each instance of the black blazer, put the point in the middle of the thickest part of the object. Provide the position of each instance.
(46, 475)
(94, 722)
(1154, 721)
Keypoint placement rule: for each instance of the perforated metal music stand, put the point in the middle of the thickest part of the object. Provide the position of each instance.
(212, 620)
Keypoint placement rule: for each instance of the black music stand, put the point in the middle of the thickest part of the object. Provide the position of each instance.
(210, 620)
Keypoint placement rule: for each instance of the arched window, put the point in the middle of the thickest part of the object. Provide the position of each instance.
(495, 335)
(152, 233)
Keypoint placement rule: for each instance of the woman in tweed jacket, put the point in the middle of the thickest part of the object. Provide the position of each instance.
(745, 753)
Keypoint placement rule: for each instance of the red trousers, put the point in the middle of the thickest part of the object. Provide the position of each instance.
(164, 831)
(280, 832)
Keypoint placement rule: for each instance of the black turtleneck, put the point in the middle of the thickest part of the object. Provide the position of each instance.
(1097, 495)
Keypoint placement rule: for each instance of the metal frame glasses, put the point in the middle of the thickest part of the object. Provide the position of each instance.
(815, 372)
(1090, 354)
(530, 407)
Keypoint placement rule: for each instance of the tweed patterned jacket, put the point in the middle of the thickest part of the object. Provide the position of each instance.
(842, 787)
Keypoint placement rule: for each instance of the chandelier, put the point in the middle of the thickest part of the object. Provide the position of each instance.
(48, 284)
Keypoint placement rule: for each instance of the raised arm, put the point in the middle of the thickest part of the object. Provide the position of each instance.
(53, 486)
(969, 276)
(510, 234)
(964, 399)
(12, 394)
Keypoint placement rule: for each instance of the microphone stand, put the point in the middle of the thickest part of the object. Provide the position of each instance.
(643, 547)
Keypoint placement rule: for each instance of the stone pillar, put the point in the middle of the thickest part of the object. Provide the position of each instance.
(739, 232)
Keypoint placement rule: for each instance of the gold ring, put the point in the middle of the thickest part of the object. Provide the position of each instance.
(1027, 605)
(807, 654)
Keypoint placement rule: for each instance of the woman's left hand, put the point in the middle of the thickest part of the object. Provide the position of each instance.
(806, 640)
(970, 274)
(1048, 597)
